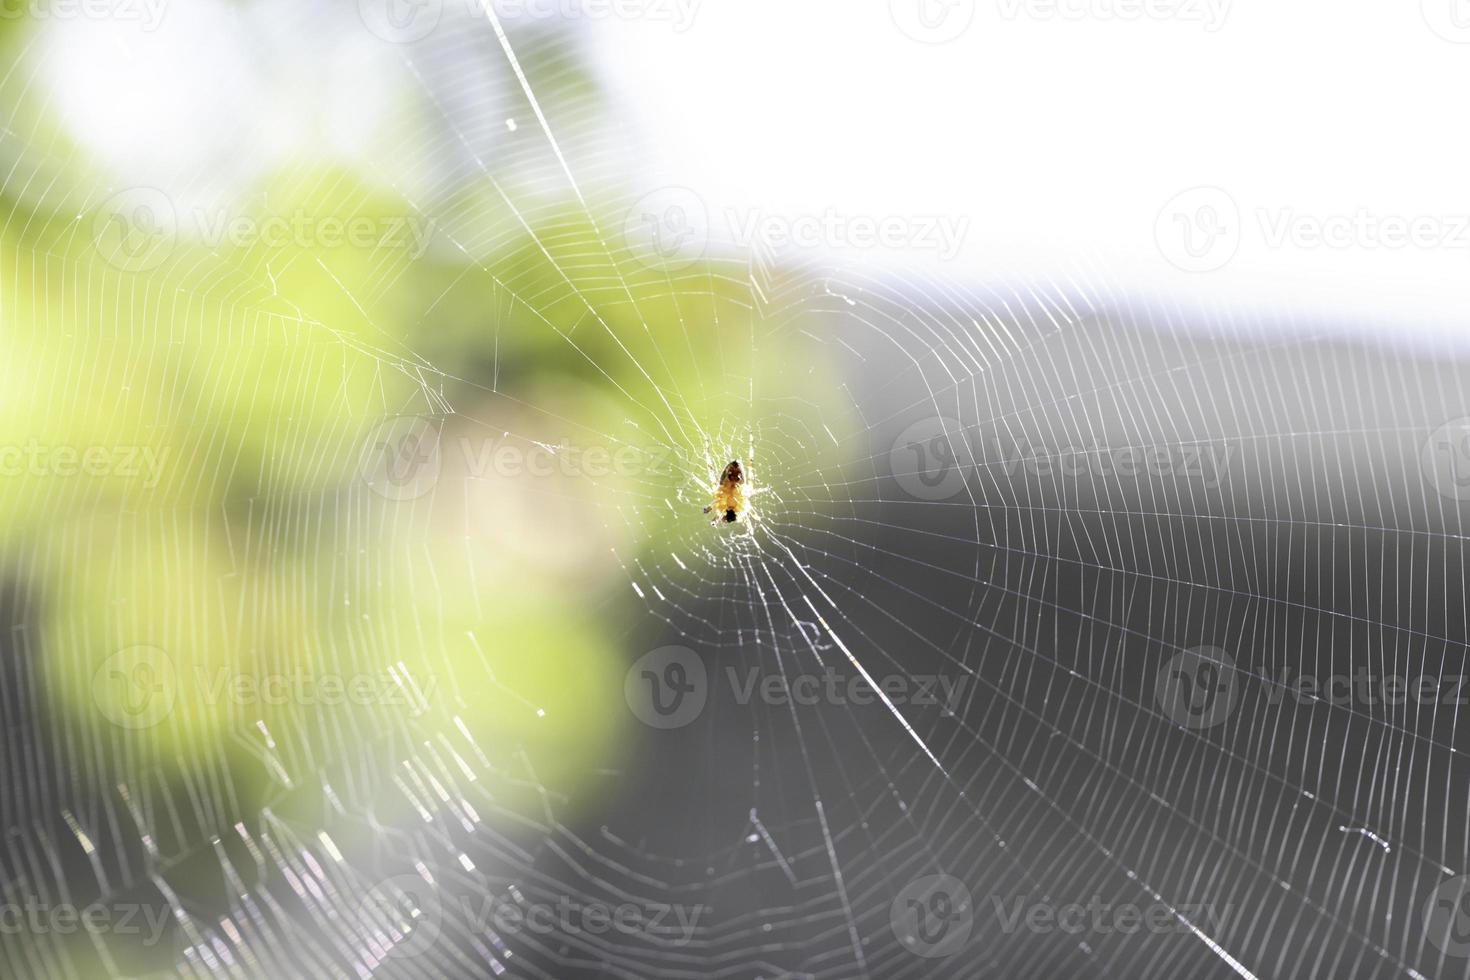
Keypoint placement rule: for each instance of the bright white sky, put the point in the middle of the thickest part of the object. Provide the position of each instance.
(1044, 134)
(1062, 129)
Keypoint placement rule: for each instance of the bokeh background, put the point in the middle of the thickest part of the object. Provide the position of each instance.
(364, 369)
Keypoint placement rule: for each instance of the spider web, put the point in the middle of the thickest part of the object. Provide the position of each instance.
(1049, 503)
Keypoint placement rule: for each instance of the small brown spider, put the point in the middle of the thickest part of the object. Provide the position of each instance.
(729, 496)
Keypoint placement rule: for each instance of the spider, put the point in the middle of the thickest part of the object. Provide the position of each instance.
(729, 496)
